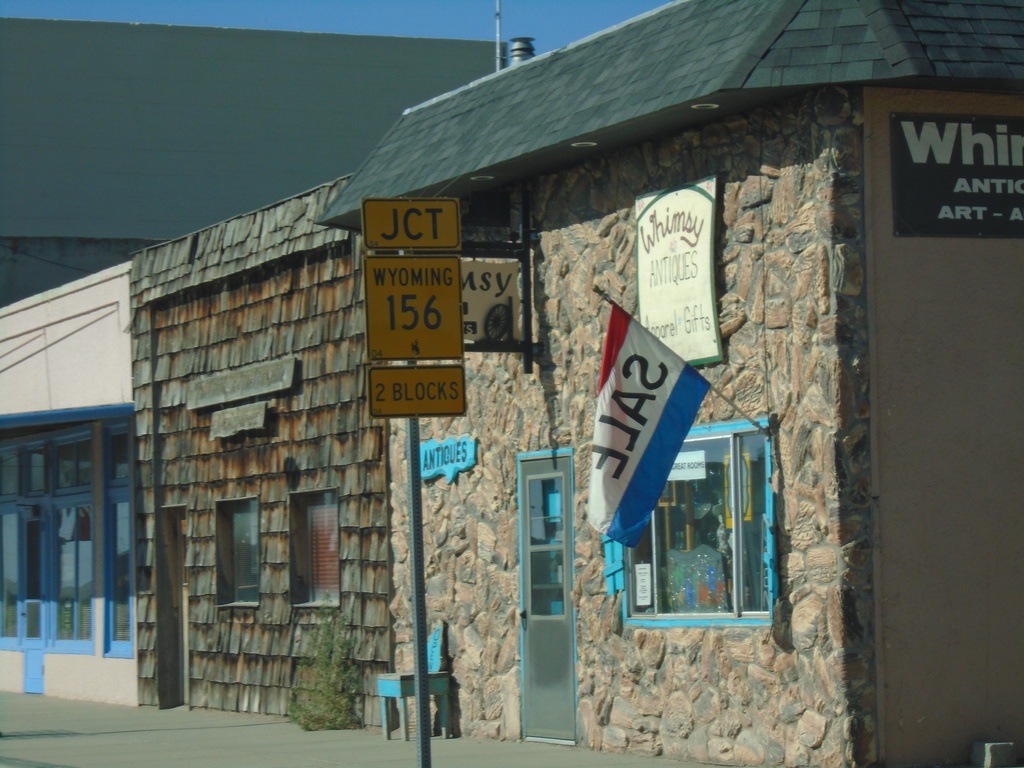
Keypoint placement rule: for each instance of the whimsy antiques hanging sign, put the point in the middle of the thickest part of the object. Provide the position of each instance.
(675, 238)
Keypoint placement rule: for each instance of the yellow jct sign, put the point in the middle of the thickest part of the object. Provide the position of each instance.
(412, 224)
(414, 307)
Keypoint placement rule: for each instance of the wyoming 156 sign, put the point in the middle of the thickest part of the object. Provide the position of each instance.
(413, 307)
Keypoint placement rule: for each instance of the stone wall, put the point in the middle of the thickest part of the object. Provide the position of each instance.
(790, 268)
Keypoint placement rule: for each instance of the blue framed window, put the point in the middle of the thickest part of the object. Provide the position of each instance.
(118, 602)
(74, 548)
(118, 538)
(73, 463)
(10, 559)
(10, 480)
(10, 573)
(708, 555)
(55, 507)
(35, 475)
(71, 532)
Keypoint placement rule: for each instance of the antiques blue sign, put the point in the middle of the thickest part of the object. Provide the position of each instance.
(447, 458)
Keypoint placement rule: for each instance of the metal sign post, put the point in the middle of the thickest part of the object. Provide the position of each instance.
(421, 685)
(414, 312)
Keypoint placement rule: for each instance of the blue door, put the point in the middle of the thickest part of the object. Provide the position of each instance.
(33, 617)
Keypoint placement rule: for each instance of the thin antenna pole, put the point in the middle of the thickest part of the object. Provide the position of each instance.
(497, 36)
(711, 386)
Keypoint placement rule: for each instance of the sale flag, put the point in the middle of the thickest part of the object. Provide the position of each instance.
(648, 398)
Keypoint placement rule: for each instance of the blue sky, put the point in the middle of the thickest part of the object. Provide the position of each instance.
(552, 23)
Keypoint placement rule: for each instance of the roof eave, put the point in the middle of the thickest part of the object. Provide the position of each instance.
(345, 210)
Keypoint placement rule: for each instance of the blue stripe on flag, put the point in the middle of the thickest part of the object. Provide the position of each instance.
(648, 481)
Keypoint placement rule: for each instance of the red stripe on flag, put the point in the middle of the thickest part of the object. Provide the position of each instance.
(618, 327)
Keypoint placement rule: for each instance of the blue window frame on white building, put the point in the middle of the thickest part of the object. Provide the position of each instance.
(69, 530)
(10, 548)
(66, 536)
(708, 555)
(118, 551)
(72, 528)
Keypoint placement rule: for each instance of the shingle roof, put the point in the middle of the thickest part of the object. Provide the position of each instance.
(980, 39)
(640, 79)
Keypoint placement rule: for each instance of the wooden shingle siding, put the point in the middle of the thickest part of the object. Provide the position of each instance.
(266, 286)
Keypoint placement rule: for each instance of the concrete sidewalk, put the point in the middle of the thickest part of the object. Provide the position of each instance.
(43, 732)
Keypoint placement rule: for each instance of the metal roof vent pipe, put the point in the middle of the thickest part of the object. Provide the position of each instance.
(521, 50)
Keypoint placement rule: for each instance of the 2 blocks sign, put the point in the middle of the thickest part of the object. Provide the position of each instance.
(414, 391)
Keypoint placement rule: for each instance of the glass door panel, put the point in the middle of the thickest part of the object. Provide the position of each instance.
(549, 675)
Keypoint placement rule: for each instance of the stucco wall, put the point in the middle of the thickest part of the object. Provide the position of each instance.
(789, 274)
(948, 346)
(12, 671)
(69, 347)
(92, 678)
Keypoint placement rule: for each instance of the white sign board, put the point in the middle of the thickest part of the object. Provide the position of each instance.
(675, 253)
(689, 465)
(491, 301)
(643, 584)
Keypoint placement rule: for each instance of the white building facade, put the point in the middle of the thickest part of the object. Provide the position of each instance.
(66, 528)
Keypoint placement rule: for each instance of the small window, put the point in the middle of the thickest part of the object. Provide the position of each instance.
(37, 469)
(314, 547)
(119, 456)
(238, 569)
(8, 473)
(75, 573)
(709, 550)
(74, 464)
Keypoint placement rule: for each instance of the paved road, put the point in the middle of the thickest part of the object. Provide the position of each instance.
(43, 732)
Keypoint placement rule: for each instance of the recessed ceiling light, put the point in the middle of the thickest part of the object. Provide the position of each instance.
(704, 105)
(583, 144)
(481, 177)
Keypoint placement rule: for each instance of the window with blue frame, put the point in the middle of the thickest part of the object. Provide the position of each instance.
(73, 529)
(50, 521)
(709, 552)
(118, 545)
(118, 458)
(74, 572)
(118, 605)
(9, 572)
(74, 463)
(9, 473)
(37, 466)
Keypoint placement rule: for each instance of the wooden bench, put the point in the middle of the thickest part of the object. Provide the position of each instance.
(396, 685)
